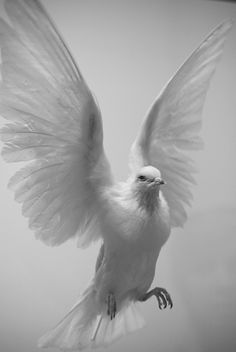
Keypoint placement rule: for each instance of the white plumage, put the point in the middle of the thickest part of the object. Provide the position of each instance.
(68, 191)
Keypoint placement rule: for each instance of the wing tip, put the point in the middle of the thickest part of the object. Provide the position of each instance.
(220, 31)
(227, 24)
(224, 27)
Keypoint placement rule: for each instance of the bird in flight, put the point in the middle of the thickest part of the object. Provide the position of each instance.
(67, 188)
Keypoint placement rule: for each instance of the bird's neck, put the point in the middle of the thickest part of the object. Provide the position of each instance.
(149, 200)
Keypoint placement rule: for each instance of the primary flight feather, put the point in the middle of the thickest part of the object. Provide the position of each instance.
(67, 190)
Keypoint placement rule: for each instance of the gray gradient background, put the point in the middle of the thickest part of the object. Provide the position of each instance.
(127, 50)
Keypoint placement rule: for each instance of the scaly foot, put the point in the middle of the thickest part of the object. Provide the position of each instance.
(111, 305)
(162, 297)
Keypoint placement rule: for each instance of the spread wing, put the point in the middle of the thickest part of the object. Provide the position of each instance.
(54, 122)
(171, 127)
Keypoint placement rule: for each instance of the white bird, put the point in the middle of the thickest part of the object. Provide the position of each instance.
(68, 190)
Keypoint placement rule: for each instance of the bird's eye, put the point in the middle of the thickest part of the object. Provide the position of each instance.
(142, 178)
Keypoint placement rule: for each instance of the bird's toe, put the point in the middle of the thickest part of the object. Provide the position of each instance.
(111, 305)
(164, 296)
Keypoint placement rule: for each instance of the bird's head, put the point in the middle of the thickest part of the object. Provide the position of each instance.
(149, 177)
(147, 186)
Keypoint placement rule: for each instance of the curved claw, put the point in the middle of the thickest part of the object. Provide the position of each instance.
(162, 296)
(165, 296)
(160, 302)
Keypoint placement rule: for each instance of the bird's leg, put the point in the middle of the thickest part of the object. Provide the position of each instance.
(111, 305)
(162, 297)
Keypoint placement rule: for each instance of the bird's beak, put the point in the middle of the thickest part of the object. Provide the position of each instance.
(160, 181)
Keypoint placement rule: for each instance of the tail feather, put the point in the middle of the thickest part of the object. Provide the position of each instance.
(126, 321)
(84, 326)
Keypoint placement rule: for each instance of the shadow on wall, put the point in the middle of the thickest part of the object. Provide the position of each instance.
(203, 266)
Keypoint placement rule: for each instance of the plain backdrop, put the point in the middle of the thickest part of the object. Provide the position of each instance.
(127, 50)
